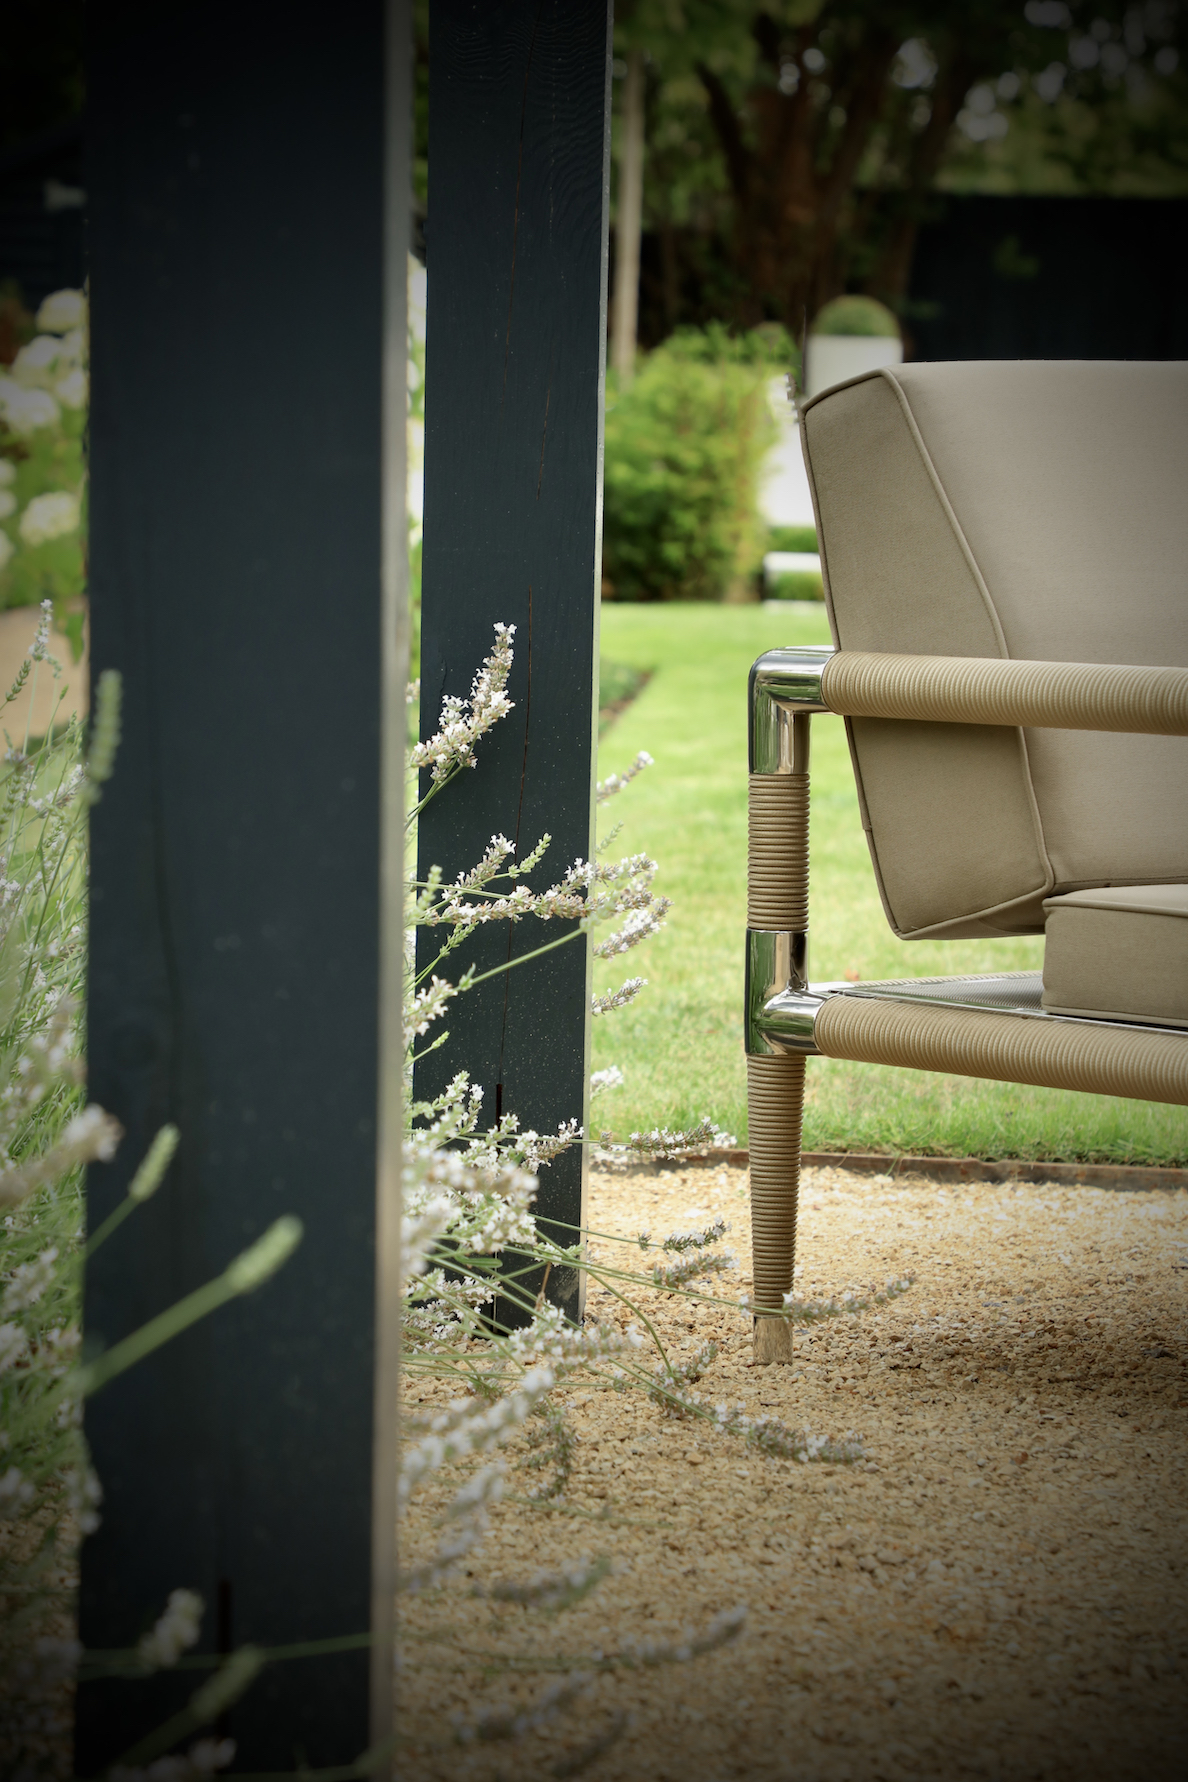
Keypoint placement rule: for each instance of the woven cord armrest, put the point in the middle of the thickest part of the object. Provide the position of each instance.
(987, 690)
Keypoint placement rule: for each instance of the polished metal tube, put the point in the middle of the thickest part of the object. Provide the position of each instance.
(776, 970)
(785, 690)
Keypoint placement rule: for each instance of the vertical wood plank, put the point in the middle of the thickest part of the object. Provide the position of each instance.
(237, 219)
(515, 366)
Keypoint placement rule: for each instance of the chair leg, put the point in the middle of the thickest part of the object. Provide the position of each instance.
(775, 1105)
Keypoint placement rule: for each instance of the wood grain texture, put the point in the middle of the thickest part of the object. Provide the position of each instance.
(515, 356)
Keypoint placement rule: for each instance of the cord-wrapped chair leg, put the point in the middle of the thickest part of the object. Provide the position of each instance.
(775, 1104)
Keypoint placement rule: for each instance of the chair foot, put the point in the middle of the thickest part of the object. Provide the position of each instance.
(773, 1341)
(775, 1100)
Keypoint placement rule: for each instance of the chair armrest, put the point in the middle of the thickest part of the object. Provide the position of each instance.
(987, 690)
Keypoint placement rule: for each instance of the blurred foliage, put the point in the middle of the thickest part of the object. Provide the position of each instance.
(863, 316)
(684, 448)
(792, 538)
(43, 467)
(795, 584)
(793, 150)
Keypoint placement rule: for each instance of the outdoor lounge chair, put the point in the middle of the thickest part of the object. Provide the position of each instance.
(995, 539)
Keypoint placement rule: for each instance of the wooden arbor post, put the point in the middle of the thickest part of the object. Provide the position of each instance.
(519, 106)
(248, 175)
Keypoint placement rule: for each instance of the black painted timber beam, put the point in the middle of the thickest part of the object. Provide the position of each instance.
(515, 358)
(247, 171)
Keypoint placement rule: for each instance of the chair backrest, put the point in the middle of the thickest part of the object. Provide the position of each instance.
(1035, 510)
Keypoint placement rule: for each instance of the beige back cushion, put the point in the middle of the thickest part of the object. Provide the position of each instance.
(1035, 510)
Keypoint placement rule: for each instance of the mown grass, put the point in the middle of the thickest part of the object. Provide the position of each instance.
(680, 1044)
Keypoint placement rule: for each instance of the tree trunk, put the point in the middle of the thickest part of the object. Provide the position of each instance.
(627, 228)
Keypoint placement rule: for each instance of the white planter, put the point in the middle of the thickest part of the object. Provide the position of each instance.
(832, 358)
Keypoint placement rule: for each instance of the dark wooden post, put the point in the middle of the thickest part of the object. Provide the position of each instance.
(515, 358)
(248, 231)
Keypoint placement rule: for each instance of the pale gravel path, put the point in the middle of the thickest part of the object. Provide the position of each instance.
(1000, 1591)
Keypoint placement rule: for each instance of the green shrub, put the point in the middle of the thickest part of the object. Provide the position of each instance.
(792, 538)
(684, 447)
(796, 584)
(856, 315)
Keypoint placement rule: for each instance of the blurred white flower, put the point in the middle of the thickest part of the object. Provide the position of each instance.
(7, 503)
(27, 1283)
(49, 516)
(15, 1491)
(25, 410)
(13, 1346)
(73, 388)
(61, 311)
(84, 1494)
(36, 357)
(176, 1629)
(73, 347)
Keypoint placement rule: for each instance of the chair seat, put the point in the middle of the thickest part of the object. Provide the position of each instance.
(1120, 953)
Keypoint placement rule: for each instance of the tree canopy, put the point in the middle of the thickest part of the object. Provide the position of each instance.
(794, 149)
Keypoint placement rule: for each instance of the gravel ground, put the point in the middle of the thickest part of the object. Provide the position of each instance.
(997, 1589)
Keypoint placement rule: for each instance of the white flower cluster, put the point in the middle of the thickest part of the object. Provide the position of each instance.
(468, 1426)
(589, 893)
(616, 781)
(15, 1492)
(691, 1268)
(89, 1136)
(14, 1346)
(664, 1141)
(452, 747)
(48, 373)
(428, 1003)
(617, 999)
(84, 1495)
(27, 1283)
(678, 1242)
(493, 1725)
(485, 1207)
(602, 1080)
(204, 1758)
(552, 1590)
(724, 1628)
(174, 1631)
(813, 1311)
(552, 1339)
(48, 516)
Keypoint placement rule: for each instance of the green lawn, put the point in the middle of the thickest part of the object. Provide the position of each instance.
(680, 1044)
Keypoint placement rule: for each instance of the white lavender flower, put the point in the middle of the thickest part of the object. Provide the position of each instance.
(14, 1346)
(452, 747)
(27, 1283)
(15, 1492)
(617, 999)
(174, 1631)
(84, 1494)
(615, 782)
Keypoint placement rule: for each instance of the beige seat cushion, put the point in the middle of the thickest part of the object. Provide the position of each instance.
(1034, 510)
(1120, 952)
